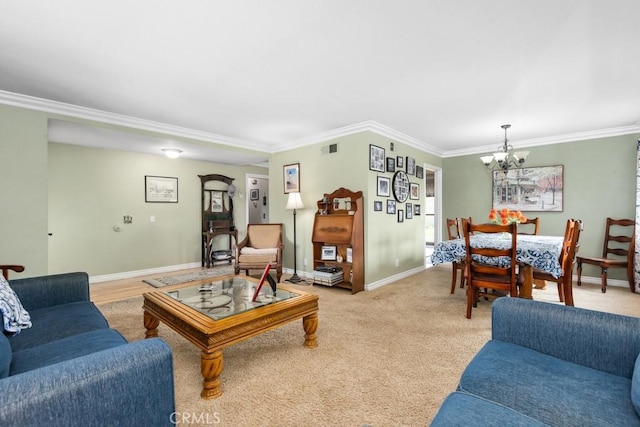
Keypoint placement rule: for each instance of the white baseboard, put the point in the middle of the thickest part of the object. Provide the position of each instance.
(367, 286)
(131, 274)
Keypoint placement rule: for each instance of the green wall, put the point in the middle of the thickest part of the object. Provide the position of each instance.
(385, 239)
(23, 189)
(90, 191)
(599, 182)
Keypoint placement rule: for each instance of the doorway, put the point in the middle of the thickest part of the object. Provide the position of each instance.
(257, 199)
(433, 210)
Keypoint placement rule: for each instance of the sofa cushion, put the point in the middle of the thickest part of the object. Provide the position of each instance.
(65, 349)
(59, 321)
(462, 409)
(5, 356)
(14, 316)
(635, 386)
(551, 390)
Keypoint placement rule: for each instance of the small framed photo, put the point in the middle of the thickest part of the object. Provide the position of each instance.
(400, 215)
(414, 191)
(291, 175)
(384, 186)
(391, 207)
(329, 253)
(160, 189)
(419, 172)
(399, 162)
(377, 206)
(349, 254)
(411, 166)
(391, 164)
(254, 194)
(416, 210)
(409, 211)
(376, 158)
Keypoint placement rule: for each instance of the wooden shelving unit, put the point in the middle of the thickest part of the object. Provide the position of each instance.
(339, 222)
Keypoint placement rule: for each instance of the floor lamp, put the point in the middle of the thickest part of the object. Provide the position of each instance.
(294, 202)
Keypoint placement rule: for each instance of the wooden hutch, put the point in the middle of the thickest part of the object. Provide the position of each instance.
(217, 218)
(339, 223)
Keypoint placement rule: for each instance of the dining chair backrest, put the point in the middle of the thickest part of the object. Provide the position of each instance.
(463, 224)
(530, 226)
(570, 245)
(452, 228)
(490, 268)
(618, 244)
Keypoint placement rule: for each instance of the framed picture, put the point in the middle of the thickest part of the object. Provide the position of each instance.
(391, 164)
(408, 211)
(400, 215)
(160, 189)
(254, 194)
(377, 206)
(399, 162)
(391, 207)
(532, 189)
(384, 186)
(376, 158)
(328, 253)
(291, 175)
(416, 210)
(411, 166)
(414, 191)
(419, 172)
(349, 254)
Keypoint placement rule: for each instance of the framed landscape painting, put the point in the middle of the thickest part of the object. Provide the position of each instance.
(534, 189)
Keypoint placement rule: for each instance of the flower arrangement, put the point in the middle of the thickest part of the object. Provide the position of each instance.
(506, 216)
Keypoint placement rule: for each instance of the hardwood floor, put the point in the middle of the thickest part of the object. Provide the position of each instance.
(116, 290)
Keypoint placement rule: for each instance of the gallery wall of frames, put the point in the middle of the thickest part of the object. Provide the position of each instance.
(398, 181)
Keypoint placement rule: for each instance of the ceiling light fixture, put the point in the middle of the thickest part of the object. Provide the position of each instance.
(505, 158)
(172, 153)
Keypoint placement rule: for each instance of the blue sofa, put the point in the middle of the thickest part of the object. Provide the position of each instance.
(71, 369)
(549, 364)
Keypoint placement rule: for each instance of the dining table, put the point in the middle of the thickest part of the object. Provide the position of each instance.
(532, 251)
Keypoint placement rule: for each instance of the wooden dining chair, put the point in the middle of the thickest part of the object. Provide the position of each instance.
(567, 260)
(5, 269)
(531, 226)
(453, 231)
(490, 268)
(617, 251)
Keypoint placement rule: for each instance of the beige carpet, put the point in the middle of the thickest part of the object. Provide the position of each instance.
(387, 357)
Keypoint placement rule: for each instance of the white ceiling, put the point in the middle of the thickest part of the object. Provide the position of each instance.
(270, 75)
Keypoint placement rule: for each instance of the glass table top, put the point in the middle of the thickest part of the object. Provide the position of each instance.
(227, 297)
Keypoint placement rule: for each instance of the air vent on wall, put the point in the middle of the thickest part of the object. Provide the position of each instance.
(329, 149)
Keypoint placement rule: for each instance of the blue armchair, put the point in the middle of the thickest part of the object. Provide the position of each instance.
(548, 364)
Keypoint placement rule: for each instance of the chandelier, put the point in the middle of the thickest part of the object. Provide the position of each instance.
(505, 158)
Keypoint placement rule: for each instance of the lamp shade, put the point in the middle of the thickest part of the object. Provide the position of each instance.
(294, 201)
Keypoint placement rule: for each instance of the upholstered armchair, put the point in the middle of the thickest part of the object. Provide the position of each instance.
(262, 245)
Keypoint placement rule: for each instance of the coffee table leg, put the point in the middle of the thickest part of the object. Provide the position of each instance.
(151, 324)
(310, 325)
(211, 366)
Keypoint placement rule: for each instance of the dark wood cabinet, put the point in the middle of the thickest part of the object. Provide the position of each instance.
(339, 223)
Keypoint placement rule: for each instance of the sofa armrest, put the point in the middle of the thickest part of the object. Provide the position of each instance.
(128, 385)
(48, 291)
(603, 341)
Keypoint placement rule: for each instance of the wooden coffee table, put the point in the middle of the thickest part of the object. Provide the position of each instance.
(216, 313)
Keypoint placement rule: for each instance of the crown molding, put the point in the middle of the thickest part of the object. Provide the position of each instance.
(70, 110)
(558, 139)
(366, 126)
